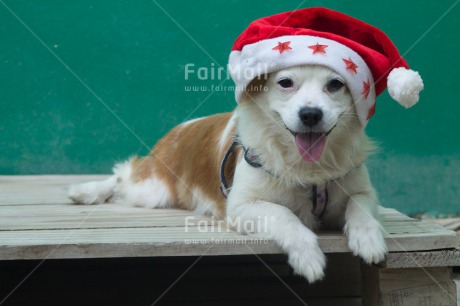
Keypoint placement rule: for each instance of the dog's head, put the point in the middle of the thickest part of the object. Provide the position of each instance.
(310, 102)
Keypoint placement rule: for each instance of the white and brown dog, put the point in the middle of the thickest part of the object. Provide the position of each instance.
(280, 157)
(286, 127)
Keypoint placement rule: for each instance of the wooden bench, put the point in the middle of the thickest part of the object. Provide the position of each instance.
(38, 222)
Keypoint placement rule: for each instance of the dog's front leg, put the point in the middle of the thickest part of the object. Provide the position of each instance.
(251, 208)
(278, 223)
(364, 231)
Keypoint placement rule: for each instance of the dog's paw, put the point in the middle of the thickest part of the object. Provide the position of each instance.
(367, 241)
(308, 261)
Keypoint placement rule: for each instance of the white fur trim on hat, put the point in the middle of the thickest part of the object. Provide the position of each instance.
(263, 57)
(404, 86)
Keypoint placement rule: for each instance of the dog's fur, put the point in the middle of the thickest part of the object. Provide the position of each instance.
(182, 171)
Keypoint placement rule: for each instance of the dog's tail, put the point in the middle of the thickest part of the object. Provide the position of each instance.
(93, 192)
(101, 191)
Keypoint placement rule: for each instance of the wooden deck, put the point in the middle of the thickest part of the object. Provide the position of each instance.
(38, 221)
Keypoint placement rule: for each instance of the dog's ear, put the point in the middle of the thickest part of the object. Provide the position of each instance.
(255, 87)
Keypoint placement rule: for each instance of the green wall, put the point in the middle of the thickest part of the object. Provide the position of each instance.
(86, 83)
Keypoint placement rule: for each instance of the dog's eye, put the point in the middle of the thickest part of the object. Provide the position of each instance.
(286, 83)
(334, 85)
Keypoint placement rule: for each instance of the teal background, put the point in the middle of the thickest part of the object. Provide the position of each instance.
(85, 84)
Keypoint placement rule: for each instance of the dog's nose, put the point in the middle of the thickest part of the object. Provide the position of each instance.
(310, 116)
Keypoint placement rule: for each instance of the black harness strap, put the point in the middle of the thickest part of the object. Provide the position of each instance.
(224, 188)
(251, 158)
(319, 199)
(320, 196)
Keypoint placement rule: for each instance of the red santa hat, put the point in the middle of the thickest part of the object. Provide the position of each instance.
(362, 54)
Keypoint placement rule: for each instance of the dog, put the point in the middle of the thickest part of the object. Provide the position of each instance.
(282, 147)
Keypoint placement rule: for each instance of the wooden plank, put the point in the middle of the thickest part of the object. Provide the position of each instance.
(81, 216)
(414, 227)
(399, 287)
(370, 285)
(39, 189)
(129, 242)
(117, 216)
(456, 278)
(23, 217)
(166, 241)
(51, 179)
(73, 209)
(442, 258)
(391, 214)
(410, 243)
(449, 223)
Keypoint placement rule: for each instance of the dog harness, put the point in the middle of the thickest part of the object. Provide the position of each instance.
(319, 197)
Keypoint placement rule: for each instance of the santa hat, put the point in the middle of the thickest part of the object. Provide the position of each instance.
(362, 54)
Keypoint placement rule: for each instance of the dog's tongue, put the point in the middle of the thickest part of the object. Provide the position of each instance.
(310, 145)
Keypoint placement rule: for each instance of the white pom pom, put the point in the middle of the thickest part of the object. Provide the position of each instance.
(404, 85)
